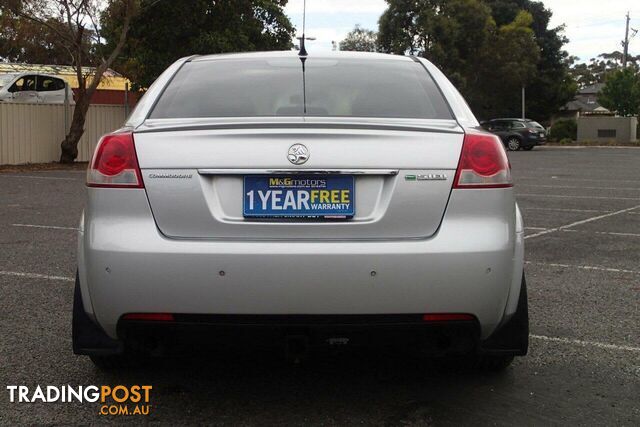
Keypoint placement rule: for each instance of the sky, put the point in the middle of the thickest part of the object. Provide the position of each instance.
(592, 26)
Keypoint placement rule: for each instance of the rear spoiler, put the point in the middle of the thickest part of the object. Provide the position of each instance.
(419, 125)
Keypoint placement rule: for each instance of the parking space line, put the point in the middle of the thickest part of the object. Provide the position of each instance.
(583, 267)
(586, 147)
(578, 179)
(567, 210)
(36, 276)
(562, 196)
(585, 343)
(53, 227)
(579, 187)
(608, 233)
(605, 233)
(38, 177)
(562, 169)
(584, 221)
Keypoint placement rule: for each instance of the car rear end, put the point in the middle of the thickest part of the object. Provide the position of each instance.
(535, 133)
(333, 200)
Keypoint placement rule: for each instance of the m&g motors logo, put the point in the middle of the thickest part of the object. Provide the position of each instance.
(113, 400)
(297, 183)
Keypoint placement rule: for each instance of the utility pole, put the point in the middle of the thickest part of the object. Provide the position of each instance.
(625, 43)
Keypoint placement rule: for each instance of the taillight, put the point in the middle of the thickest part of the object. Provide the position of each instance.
(483, 163)
(115, 163)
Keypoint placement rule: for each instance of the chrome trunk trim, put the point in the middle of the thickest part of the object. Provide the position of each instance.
(298, 171)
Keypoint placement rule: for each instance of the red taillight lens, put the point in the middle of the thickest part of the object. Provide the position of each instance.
(483, 163)
(447, 317)
(114, 163)
(151, 317)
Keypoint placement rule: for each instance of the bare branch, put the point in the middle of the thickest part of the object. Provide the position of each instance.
(65, 3)
(100, 70)
(46, 24)
(96, 28)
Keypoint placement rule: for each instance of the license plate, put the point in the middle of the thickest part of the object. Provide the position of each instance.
(541, 134)
(286, 196)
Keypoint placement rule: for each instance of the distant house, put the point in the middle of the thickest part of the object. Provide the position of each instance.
(111, 90)
(585, 103)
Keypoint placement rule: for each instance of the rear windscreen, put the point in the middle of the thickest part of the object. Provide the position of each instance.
(287, 87)
(535, 125)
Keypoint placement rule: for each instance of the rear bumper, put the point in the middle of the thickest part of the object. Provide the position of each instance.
(310, 332)
(197, 334)
(472, 265)
(529, 141)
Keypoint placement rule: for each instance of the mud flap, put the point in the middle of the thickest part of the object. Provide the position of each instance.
(89, 338)
(512, 338)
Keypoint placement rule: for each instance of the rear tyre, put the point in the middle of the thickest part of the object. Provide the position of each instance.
(513, 143)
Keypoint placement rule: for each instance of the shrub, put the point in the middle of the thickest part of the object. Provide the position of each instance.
(563, 129)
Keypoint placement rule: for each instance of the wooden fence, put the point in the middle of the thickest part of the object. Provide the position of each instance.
(32, 133)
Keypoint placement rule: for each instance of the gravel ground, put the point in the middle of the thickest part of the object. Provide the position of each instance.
(582, 213)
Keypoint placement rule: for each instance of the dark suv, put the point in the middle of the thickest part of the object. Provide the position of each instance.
(517, 133)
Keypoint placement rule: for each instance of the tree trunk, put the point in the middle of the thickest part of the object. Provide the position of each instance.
(69, 146)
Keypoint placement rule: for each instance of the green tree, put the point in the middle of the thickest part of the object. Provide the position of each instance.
(509, 64)
(167, 30)
(488, 63)
(361, 40)
(582, 74)
(449, 33)
(552, 86)
(595, 71)
(22, 40)
(621, 92)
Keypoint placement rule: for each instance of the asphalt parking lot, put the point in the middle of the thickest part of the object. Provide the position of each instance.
(582, 213)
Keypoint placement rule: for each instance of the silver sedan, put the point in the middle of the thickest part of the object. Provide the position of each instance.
(338, 199)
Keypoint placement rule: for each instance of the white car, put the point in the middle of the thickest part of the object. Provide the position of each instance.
(33, 88)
